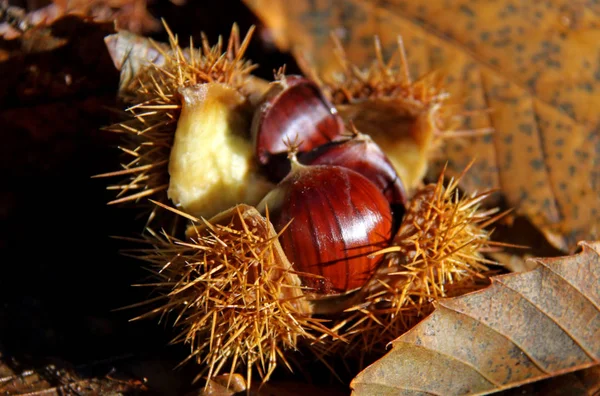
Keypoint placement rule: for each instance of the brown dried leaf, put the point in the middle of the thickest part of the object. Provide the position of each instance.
(536, 65)
(523, 328)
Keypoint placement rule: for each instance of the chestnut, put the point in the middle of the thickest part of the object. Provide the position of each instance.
(335, 218)
(361, 154)
(293, 110)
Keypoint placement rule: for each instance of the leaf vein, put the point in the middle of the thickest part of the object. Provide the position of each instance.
(455, 358)
(542, 262)
(532, 359)
(556, 322)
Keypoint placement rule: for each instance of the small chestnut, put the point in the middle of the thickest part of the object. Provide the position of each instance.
(337, 218)
(293, 110)
(361, 154)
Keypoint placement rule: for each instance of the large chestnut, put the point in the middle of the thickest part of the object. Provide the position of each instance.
(293, 110)
(336, 218)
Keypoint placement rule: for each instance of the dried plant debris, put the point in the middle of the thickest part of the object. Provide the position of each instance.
(224, 385)
(232, 293)
(52, 380)
(130, 15)
(14, 26)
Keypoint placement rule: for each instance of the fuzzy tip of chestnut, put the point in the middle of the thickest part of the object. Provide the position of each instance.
(331, 220)
(293, 109)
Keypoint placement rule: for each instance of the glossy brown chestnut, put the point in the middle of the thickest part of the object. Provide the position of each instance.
(338, 217)
(361, 154)
(293, 110)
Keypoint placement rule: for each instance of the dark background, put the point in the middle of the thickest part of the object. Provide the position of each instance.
(61, 275)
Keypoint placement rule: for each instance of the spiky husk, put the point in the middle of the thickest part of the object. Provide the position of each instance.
(148, 135)
(381, 80)
(232, 293)
(410, 119)
(438, 252)
(385, 82)
(391, 81)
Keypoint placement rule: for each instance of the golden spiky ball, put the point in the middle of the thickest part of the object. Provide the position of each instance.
(232, 294)
(441, 240)
(153, 91)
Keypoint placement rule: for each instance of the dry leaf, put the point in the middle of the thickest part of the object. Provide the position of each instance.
(536, 65)
(523, 328)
